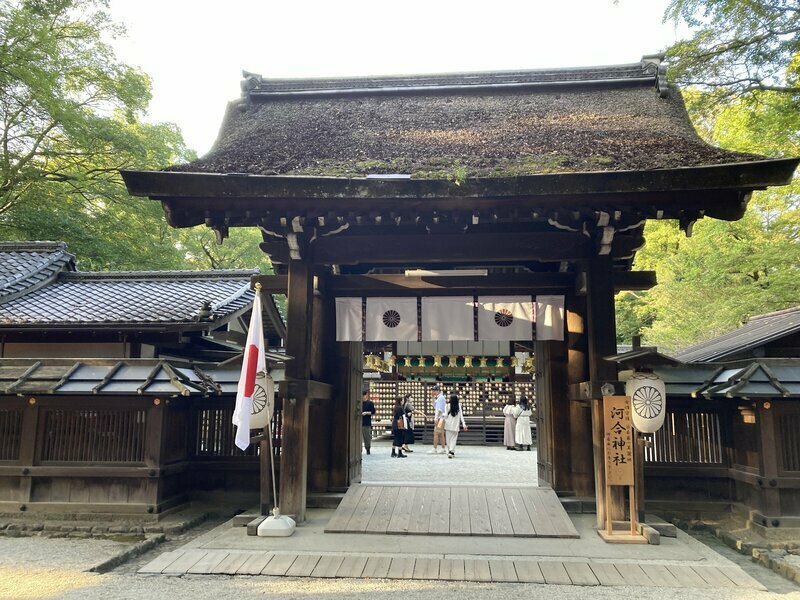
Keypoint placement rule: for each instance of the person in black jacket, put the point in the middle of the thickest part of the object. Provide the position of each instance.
(399, 427)
(367, 412)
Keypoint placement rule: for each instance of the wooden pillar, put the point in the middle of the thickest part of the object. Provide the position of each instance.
(345, 442)
(580, 414)
(768, 457)
(323, 358)
(294, 444)
(559, 417)
(602, 338)
(154, 447)
(27, 446)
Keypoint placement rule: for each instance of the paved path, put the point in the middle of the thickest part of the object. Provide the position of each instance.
(583, 573)
(472, 464)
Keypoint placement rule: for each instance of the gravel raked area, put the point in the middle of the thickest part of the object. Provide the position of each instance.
(40, 567)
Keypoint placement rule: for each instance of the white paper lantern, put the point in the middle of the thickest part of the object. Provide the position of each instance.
(648, 396)
(263, 401)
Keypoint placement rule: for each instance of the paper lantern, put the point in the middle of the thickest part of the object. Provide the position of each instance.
(483, 364)
(421, 361)
(648, 396)
(499, 362)
(406, 361)
(263, 401)
(451, 361)
(437, 360)
(514, 362)
(467, 362)
(391, 362)
(529, 365)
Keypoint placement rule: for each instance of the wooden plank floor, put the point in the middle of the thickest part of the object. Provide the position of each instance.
(474, 510)
(554, 572)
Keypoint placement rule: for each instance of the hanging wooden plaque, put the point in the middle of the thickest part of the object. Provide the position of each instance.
(618, 440)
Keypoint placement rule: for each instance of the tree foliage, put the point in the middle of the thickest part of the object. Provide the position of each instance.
(738, 46)
(741, 67)
(72, 117)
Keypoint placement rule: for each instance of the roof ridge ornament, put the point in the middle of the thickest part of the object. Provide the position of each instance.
(654, 64)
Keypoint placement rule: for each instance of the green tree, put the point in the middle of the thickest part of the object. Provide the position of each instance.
(72, 118)
(741, 73)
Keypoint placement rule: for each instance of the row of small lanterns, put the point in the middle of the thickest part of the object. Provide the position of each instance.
(376, 363)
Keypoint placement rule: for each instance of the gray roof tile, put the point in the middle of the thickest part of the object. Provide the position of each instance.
(110, 376)
(25, 266)
(756, 332)
(140, 298)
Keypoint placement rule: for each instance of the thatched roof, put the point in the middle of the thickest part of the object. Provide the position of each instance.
(453, 126)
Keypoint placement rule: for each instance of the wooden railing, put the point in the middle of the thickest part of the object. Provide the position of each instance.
(687, 437)
(10, 431)
(94, 436)
(789, 431)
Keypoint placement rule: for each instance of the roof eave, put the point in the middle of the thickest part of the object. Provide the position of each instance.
(750, 175)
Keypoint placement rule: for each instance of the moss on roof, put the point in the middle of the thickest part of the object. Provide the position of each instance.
(457, 135)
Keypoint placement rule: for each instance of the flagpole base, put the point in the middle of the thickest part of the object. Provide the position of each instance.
(277, 525)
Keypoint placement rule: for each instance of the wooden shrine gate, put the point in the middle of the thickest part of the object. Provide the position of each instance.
(347, 212)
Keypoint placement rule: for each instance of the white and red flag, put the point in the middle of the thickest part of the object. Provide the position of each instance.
(253, 363)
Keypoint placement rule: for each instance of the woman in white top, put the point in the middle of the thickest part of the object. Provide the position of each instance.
(522, 433)
(451, 421)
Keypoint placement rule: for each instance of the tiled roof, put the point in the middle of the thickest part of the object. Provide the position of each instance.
(756, 332)
(762, 378)
(26, 266)
(131, 376)
(143, 298)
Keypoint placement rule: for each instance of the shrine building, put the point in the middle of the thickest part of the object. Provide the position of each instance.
(523, 184)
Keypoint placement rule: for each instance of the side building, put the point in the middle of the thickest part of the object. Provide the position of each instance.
(730, 440)
(117, 388)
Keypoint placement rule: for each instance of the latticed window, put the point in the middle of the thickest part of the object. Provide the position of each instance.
(95, 436)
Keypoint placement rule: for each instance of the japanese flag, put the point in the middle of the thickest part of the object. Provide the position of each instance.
(254, 364)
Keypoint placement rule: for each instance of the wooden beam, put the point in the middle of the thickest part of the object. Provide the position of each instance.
(483, 247)
(224, 187)
(314, 390)
(635, 281)
(496, 283)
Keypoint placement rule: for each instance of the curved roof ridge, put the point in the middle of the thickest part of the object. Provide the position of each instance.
(775, 313)
(28, 266)
(255, 85)
(755, 332)
(151, 275)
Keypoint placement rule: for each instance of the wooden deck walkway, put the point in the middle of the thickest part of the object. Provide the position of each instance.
(578, 572)
(443, 510)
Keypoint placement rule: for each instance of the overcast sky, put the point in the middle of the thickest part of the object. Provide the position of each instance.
(195, 50)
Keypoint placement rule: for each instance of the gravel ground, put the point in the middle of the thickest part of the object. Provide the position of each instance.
(484, 464)
(40, 567)
(54, 568)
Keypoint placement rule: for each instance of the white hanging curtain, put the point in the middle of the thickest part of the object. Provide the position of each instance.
(505, 318)
(448, 319)
(550, 318)
(391, 320)
(348, 320)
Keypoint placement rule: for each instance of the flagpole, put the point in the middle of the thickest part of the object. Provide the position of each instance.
(275, 511)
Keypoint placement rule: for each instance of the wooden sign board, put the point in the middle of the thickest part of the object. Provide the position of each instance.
(618, 440)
